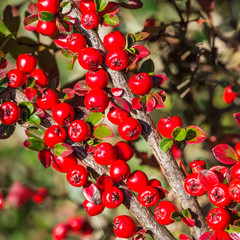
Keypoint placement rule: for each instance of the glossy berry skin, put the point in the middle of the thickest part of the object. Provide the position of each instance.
(96, 100)
(16, 78)
(124, 151)
(117, 59)
(53, 135)
(234, 190)
(76, 42)
(87, 5)
(75, 223)
(163, 211)
(129, 129)
(149, 196)
(39, 195)
(140, 83)
(51, 6)
(40, 77)
(193, 186)
(104, 182)
(47, 28)
(77, 176)
(235, 172)
(93, 209)
(197, 166)
(9, 113)
(79, 131)
(116, 116)
(137, 181)
(60, 231)
(124, 226)
(228, 95)
(90, 58)
(219, 195)
(90, 20)
(154, 183)
(1, 202)
(63, 113)
(47, 100)
(26, 63)
(64, 164)
(97, 79)
(112, 197)
(114, 40)
(104, 154)
(166, 125)
(237, 149)
(119, 171)
(221, 235)
(218, 219)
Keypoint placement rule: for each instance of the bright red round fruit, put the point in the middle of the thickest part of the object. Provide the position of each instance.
(114, 40)
(221, 235)
(76, 223)
(51, 6)
(234, 190)
(47, 100)
(90, 19)
(53, 135)
(148, 196)
(116, 116)
(112, 197)
(47, 28)
(63, 164)
(124, 226)
(93, 209)
(79, 131)
(87, 5)
(218, 219)
(197, 166)
(117, 59)
(16, 78)
(60, 231)
(26, 63)
(154, 183)
(77, 175)
(129, 129)
(96, 100)
(235, 172)
(193, 186)
(40, 77)
(119, 171)
(1, 202)
(163, 212)
(124, 151)
(90, 58)
(137, 180)
(104, 154)
(97, 79)
(9, 113)
(76, 42)
(166, 125)
(140, 83)
(237, 149)
(228, 95)
(63, 113)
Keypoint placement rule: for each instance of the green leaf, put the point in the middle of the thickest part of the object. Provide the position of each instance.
(68, 54)
(130, 39)
(176, 216)
(165, 144)
(3, 84)
(179, 134)
(194, 135)
(6, 131)
(141, 36)
(46, 16)
(34, 119)
(233, 228)
(186, 213)
(102, 131)
(110, 20)
(71, 63)
(94, 118)
(11, 19)
(65, 7)
(62, 150)
(101, 4)
(28, 106)
(35, 131)
(148, 67)
(34, 144)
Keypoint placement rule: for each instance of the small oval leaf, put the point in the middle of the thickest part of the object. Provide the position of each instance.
(6, 131)
(95, 118)
(62, 149)
(195, 135)
(45, 157)
(207, 178)
(179, 134)
(110, 20)
(147, 67)
(102, 131)
(165, 144)
(34, 144)
(35, 132)
(30, 22)
(92, 193)
(120, 103)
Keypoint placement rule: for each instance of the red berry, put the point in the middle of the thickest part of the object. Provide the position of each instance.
(235, 172)
(116, 116)
(234, 190)
(114, 40)
(51, 6)
(86, 229)
(47, 28)
(130, 129)
(148, 196)
(87, 5)
(124, 226)
(219, 195)
(63, 113)
(218, 219)
(77, 175)
(76, 223)
(104, 154)
(63, 164)
(26, 63)
(193, 186)
(90, 19)
(119, 171)
(228, 95)
(1, 202)
(104, 182)
(163, 212)
(40, 194)
(237, 149)
(124, 151)
(9, 113)
(53, 135)
(166, 125)
(47, 100)
(40, 77)
(117, 59)
(79, 131)
(90, 58)
(60, 231)
(137, 180)
(97, 79)
(221, 235)
(197, 166)
(141, 83)
(76, 42)
(96, 100)
(16, 78)
(112, 197)
(93, 209)
(154, 183)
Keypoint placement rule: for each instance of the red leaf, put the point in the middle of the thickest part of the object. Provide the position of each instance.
(150, 104)
(159, 100)
(225, 154)
(30, 22)
(70, 93)
(81, 88)
(132, 4)
(207, 178)
(111, 7)
(136, 104)
(158, 79)
(195, 135)
(30, 93)
(120, 103)
(188, 221)
(92, 193)
(61, 40)
(220, 171)
(32, 8)
(208, 236)
(62, 149)
(45, 157)
(229, 177)
(63, 25)
(117, 92)
(41, 113)
(141, 52)
(184, 237)
(237, 117)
